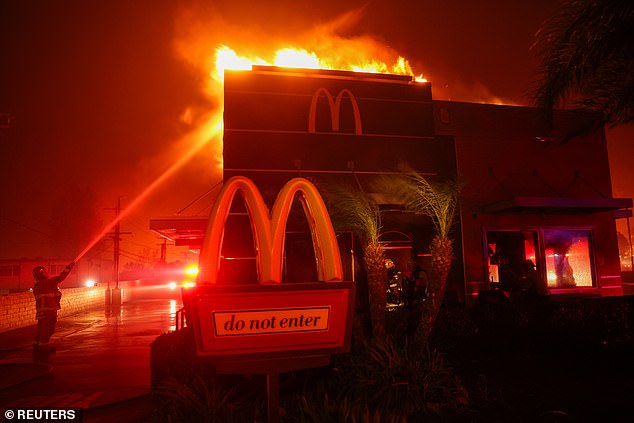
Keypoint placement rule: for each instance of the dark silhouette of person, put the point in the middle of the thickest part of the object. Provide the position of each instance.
(416, 292)
(532, 284)
(509, 280)
(563, 269)
(47, 302)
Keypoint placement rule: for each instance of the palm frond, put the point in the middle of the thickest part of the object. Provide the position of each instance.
(352, 209)
(439, 201)
(587, 53)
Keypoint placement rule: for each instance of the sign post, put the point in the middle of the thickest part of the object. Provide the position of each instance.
(268, 327)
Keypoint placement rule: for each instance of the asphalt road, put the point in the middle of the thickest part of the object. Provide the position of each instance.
(100, 365)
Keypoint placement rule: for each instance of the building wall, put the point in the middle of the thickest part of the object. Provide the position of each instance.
(340, 127)
(287, 124)
(501, 154)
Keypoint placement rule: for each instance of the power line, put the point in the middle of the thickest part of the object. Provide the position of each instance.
(26, 226)
(200, 197)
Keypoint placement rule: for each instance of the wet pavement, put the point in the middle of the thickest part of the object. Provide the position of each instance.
(100, 364)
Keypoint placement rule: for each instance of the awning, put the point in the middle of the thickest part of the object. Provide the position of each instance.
(184, 231)
(559, 205)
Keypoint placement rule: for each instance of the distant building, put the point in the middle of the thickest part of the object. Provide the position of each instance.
(16, 275)
(528, 194)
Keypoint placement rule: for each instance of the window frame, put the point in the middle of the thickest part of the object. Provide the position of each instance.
(540, 252)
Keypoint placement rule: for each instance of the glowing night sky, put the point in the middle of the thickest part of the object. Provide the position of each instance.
(103, 94)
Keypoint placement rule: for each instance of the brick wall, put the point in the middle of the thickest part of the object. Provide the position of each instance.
(18, 309)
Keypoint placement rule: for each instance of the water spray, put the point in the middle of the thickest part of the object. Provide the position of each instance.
(213, 128)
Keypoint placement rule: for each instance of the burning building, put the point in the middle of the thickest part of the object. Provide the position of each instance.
(528, 195)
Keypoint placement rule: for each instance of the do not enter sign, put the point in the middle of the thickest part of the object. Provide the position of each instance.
(271, 321)
(236, 320)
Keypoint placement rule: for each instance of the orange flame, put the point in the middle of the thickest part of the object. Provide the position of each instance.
(340, 56)
(227, 58)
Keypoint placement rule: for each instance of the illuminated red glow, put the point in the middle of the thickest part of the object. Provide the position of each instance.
(201, 138)
(577, 258)
(227, 58)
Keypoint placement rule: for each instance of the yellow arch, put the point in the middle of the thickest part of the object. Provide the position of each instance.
(209, 261)
(270, 233)
(335, 110)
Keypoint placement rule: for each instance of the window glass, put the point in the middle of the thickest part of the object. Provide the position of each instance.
(568, 262)
(508, 252)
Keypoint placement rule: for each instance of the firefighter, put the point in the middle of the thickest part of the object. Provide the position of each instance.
(47, 302)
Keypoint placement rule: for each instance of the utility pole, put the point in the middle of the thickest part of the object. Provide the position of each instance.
(117, 239)
(115, 293)
(163, 259)
(629, 240)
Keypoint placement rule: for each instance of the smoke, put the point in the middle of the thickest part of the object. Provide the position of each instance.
(113, 108)
(200, 29)
(337, 41)
(340, 40)
(457, 89)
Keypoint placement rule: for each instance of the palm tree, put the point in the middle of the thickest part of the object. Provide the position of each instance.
(587, 53)
(440, 203)
(351, 209)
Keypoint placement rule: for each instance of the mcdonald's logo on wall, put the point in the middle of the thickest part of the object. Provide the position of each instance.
(334, 105)
(268, 317)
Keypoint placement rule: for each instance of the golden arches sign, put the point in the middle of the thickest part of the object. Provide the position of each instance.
(269, 232)
(335, 110)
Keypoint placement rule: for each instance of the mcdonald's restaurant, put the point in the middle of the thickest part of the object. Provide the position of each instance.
(530, 199)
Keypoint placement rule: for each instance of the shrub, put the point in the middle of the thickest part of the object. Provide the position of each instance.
(387, 382)
(200, 401)
(186, 391)
(390, 382)
(171, 357)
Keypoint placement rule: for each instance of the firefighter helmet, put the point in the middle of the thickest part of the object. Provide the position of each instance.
(40, 272)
